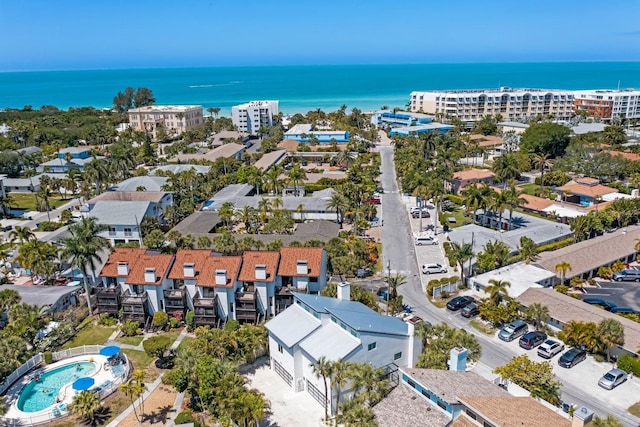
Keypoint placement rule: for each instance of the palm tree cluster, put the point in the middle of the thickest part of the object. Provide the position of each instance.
(595, 338)
(620, 213)
(369, 385)
(86, 405)
(208, 369)
(493, 202)
(499, 308)
(439, 340)
(40, 258)
(134, 389)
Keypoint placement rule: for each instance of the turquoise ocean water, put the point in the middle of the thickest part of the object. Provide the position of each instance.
(303, 88)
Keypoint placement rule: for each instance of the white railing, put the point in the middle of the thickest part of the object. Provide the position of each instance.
(26, 367)
(56, 413)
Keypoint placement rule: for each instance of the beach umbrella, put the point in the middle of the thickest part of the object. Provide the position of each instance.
(109, 351)
(83, 383)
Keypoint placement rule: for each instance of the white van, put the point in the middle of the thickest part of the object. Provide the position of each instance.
(433, 269)
(426, 240)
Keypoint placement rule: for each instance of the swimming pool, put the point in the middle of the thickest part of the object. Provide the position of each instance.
(41, 393)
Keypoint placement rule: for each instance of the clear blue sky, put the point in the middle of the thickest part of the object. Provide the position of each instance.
(89, 34)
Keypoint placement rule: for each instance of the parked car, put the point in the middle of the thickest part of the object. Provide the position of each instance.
(425, 214)
(470, 310)
(532, 339)
(513, 330)
(459, 302)
(375, 199)
(433, 268)
(550, 348)
(426, 240)
(599, 301)
(612, 379)
(572, 357)
(625, 310)
(627, 276)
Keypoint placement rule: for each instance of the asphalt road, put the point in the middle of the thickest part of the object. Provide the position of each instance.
(399, 251)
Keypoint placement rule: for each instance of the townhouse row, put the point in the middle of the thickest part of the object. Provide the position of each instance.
(136, 283)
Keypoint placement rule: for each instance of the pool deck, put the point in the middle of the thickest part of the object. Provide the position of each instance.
(66, 393)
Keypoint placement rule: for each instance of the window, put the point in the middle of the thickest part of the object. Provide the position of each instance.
(397, 356)
(279, 348)
(442, 405)
(112, 231)
(488, 424)
(230, 307)
(127, 232)
(426, 394)
(411, 383)
(471, 414)
(371, 346)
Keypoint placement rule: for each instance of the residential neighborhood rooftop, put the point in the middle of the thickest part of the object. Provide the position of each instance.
(292, 325)
(230, 264)
(290, 257)
(403, 407)
(250, 259)
(269, 159)
(507, 410)
(116, 212)
(449, 385)
(41, 296)
(470, 174)
(521, 276)
(176, 169)
(342, 343)
(130, 196)
(224, 151)
(149, 183)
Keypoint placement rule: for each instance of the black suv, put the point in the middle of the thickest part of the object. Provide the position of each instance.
(572, 357)
(532, 339)
(470, 310)
(459, 302)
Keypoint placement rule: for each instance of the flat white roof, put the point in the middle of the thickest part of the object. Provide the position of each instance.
(521, 276)
(164, 108)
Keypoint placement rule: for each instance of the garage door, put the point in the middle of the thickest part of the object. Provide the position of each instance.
(284, 374)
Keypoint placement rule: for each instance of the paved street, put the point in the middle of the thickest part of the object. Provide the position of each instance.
(399, 250)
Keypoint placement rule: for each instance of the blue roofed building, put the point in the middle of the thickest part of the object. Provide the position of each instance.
(391, 119)
(304, 132)
(414, 130)
(335, 328)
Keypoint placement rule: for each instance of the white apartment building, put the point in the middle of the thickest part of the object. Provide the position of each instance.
(250, 117)
(609, 104)
(511, 104)
(174, 118)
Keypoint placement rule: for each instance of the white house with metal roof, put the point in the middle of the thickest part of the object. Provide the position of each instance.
(335, 328)
(122, 218)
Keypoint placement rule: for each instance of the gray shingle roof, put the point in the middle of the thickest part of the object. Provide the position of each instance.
(403, 407)
(292, 325)
(269, 159)
(115, 212)
(200, 169)
(448, 385)
(150, 183)
(41, 295)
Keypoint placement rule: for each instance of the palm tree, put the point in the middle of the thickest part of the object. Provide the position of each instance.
(133, 391)
(506, 168)
(215, 111)
(498, 204)
(512, 197)
(473, 199)
(95, 171)
(324, 369)
(610, 421)
(497, 290)
(83, 246)
(22, 234)
(538, 313)
(340, 375)
(273, 183)
(8, 298)
(369, 384)
(562, 268)
(204, 242)
(543, 162)
(394, 282)
(461, 253)
(610, 332)
(340, 203)
(226, 213)
(424, 331)
(354, 414)
(295, 175)
(528, 250)
(86, 405)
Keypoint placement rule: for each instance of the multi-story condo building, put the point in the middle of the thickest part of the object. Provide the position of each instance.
(609, 104)
(174, 118)
(247, 288)
(511, 104)
(386, 118)
(250, 117)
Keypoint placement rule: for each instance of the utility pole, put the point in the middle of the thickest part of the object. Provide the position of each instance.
(388, 283)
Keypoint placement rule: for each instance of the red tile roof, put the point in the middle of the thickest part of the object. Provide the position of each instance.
(128, 255)
(160, 262)
(289, 258)
(471, 174)
(251, 258)
(183, 256)
(229, 263)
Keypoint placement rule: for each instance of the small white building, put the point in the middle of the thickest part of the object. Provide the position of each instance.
(250, 117)
(335, 328)
(521, 276)
(122, 218)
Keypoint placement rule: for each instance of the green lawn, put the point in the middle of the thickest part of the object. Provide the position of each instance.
(458, 214)
(440, 303)
(185, 342)
(635, 409)
(140, 359)
(173, 334)
(27, 201)
(90, 335)
(529, 189)
(482, 327)
(130, 340)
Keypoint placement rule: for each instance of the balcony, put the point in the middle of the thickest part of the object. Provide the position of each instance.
(175, 300)
(247, 306)
(205, 310)
(283, 299)
(108, 300)
(134, 306)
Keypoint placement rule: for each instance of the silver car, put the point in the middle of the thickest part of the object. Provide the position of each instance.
(612, 379)
(550, 348)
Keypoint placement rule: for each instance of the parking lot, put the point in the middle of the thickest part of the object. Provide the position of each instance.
(585, 375)
(622, 294)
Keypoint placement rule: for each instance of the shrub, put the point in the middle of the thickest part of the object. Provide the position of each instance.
(190, 319)
(605, 273)
(556, 245)
(157, 346)
(629, 364)
(599, 357)
(48, 357)
(49, 226)
(186, 417)
(107, 320)
(130, 328)
(618, 266)
(562, 289)
(160, 319)
(174, 323)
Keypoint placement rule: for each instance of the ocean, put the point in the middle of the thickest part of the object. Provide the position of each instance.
(303, 88)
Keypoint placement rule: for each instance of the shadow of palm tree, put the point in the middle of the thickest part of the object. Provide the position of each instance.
(161, 416)
(99, 418)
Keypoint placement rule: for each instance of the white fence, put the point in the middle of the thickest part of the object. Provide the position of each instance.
(56, 413)
(449, 288)
(26, 367)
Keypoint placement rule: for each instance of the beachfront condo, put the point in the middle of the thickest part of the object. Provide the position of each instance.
(609, 104)
(511, 104)
(175, 119)
(250, 117)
